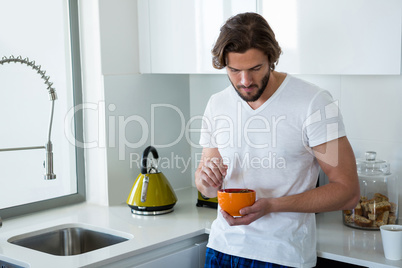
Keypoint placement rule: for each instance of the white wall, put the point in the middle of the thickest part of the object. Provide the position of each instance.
(93, 98)
(142, 110)
(121, 100)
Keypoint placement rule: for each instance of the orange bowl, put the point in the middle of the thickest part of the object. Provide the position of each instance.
(232, 200)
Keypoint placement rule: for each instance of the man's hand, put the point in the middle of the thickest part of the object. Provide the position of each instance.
(249, 214)
(210, 172)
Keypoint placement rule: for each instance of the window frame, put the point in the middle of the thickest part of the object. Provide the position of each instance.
(80, 195)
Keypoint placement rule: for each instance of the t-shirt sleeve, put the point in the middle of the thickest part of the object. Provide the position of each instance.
(324, 120)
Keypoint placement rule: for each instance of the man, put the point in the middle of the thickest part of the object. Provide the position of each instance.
(270, 132)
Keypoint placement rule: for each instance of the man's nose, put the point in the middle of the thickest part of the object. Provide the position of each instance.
(246, 78)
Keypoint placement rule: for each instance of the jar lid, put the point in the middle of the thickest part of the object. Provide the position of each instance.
(372, 166)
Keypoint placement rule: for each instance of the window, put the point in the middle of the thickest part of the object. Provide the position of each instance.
(43, 35)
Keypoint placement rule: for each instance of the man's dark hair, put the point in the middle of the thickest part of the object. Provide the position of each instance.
(243, 32)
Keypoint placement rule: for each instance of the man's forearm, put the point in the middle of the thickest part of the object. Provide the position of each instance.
(329, 197)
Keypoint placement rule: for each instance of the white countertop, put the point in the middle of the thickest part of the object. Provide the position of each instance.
(342, 243)
(149, 232)
(335, 241)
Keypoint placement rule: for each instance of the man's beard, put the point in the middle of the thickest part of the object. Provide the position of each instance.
(252, 98)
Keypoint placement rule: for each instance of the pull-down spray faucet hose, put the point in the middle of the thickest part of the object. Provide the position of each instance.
(49, 175)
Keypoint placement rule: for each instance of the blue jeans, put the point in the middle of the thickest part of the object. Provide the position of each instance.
(216, 259)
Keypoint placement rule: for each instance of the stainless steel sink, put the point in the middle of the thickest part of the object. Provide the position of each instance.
(67, 240)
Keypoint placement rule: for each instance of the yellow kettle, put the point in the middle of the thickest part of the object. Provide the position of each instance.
(151, 193)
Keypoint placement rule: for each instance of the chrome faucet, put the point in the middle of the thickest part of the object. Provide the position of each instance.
(48, 163)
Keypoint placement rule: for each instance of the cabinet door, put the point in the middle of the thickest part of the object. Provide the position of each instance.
(176, 36)
(187, 258)
(336, 37)
(202, 247)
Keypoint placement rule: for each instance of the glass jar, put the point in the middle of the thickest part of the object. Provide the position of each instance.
(378, 203)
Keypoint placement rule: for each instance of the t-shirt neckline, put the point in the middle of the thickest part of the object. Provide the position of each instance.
(272, 98)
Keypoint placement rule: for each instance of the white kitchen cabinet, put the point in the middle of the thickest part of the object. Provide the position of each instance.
(176, 36)
(336, 37)
(359, 37)
(187, 258)
(188, 253)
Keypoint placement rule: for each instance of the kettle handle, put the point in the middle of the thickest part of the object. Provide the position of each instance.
(144, 160)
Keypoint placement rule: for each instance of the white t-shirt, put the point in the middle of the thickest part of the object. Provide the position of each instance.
(269, 150)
